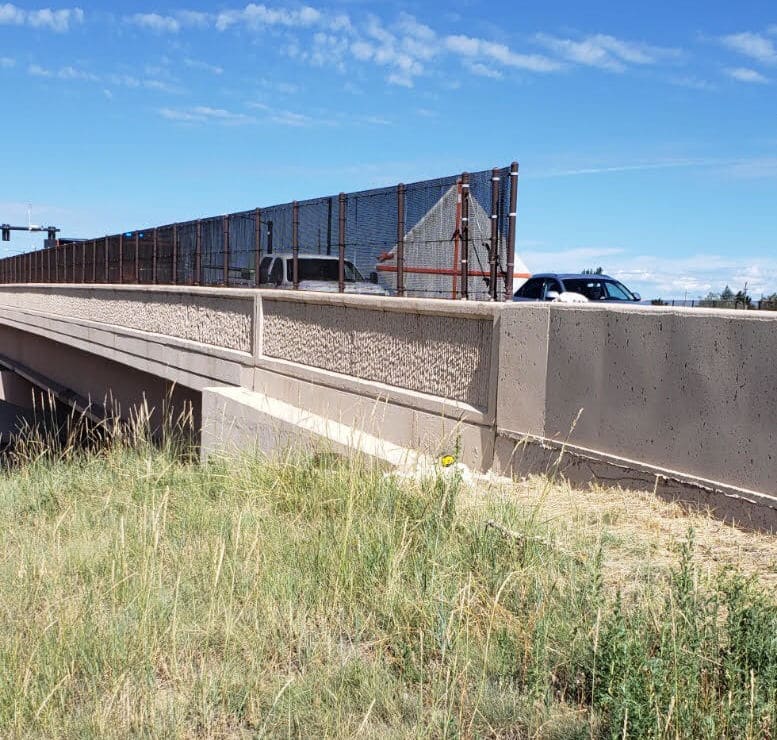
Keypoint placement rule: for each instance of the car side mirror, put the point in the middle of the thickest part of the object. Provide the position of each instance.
(637, 297)
(374, 278)
(551, 295)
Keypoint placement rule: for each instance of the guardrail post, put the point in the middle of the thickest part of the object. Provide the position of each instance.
(401, 239)
(341, 243)
(493, 251)
(257, 244)
(511, 231)
(295, 244)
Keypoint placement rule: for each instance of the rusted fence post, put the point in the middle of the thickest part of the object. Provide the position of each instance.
(269, 237)
(401, 239)
(257, 244)
(137, 257)
(511, 231)
(121, 258)
(154, 247)
(94, 260)
(225, 248)
(83, 261)
(106, 265)
(465, 235)
(493, 250)
(341, 243)
(295, 244)
(174, 256)
(198, 253)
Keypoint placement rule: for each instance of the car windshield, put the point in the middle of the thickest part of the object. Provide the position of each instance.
(595, 289)
(313, 268)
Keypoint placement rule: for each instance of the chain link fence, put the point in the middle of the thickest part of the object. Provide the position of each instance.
(451, 237)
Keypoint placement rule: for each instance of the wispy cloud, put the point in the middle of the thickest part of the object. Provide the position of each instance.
(290, 118)
(46, 18)
(72, 73)
(155, 22)
(606, 52)
(477, 48)
(255, 16)
(7, 62)
(204, 66)
(205, 114)
(745, 74)
(753, 45)
(745, 168)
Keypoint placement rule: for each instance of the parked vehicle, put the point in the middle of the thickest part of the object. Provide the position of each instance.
(568, 288)
(319, 272)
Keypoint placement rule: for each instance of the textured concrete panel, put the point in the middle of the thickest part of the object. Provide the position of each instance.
(440, 355)
(220, 321)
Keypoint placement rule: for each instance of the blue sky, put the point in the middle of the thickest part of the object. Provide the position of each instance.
(646, 132)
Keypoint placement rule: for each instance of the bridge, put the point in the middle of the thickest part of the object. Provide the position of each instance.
(677, 401)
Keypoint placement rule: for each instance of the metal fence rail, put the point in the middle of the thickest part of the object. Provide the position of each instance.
(451, 237)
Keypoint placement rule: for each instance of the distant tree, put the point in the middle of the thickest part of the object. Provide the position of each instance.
(712, 296)
(591, 271)
(742, 299)
(657, 302)
(727, 294)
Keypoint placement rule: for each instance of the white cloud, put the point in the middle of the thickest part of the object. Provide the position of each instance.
(204, 66)
(752, 45)
(744, 74)
(7, 62)
(71, 73)
(483, 71)
(10, 15)
(606, 52)
(204, 114)
(469, 46)
(255, 16)
(54, 20)
(155, 22)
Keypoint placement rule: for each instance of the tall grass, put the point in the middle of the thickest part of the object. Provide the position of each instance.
(142, 594)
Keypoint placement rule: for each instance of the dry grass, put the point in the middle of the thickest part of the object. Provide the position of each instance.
(144, 595)
(640, 531)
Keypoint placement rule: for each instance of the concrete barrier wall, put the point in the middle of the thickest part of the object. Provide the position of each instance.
(677, 391)
(638, 394)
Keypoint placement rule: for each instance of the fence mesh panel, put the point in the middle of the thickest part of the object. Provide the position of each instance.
(423, 239)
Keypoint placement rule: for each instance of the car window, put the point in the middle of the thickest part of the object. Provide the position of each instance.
(314, 268)
(276, 272)
(552, 284)
(532, 288)
(617, 292)
(592, 288)
(264, 269)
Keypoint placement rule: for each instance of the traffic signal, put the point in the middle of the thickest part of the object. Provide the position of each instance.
(6, 233)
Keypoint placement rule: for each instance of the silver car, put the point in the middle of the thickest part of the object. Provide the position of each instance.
(319, 272)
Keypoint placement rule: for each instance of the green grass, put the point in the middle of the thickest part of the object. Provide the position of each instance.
(143, 595)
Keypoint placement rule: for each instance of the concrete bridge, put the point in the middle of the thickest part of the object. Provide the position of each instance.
(678, 401)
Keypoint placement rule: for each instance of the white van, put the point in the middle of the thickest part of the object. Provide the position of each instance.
(316, 272)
